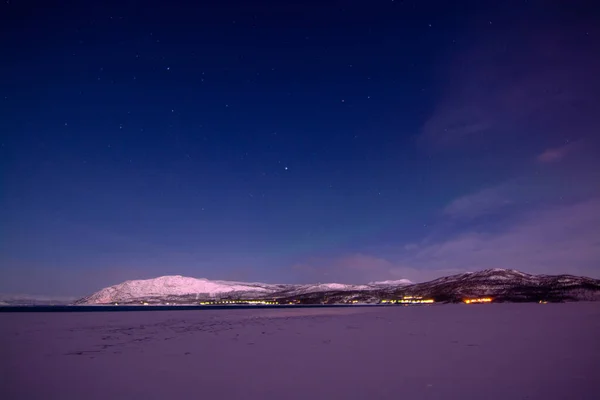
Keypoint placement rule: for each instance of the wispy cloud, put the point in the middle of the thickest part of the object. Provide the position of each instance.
(551, 155)
(557, 153)
(546, 221)
(450, 125)
(557, 239)
(485, 201)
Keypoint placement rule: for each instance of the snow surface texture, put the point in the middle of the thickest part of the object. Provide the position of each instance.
(495, 351)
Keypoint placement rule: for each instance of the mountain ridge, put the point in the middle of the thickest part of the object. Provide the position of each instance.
(501, 284)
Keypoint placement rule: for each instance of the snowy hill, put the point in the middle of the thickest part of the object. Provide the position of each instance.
(169, 286)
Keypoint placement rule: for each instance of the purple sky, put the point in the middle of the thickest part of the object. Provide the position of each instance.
(366, 143)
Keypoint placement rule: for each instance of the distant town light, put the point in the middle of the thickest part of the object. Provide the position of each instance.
(478, 300)
(409, 300)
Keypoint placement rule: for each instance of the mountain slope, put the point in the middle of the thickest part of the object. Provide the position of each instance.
(173, 286)
(507, 285)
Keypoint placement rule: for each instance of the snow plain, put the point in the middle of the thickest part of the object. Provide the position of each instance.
(496, 351)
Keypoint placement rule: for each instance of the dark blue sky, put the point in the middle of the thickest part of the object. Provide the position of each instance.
(296, 141)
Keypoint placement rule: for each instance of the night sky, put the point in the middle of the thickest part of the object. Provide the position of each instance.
(296, 141)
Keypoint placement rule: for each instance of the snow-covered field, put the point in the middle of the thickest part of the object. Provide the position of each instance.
(496, 351)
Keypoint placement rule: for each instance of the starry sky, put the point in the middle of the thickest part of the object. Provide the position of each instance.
(296, 141)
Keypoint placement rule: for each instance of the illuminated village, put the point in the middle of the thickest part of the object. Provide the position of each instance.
(241, 302)
(405, 300)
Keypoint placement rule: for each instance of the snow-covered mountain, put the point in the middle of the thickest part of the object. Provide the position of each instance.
(501, 284)
(507, 285)
(173, 286)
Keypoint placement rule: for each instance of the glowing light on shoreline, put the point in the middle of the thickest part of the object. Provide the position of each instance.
(478, 300)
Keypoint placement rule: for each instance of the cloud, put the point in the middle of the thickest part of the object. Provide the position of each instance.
(480, 203)
(556, 239)
(529, 190)
(551, 155)
(547, 220)
(557, 153)
(450, 125)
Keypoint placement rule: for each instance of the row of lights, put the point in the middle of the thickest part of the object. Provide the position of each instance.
(261, 302)
(478, 300)
(409, 300)
(404, 300)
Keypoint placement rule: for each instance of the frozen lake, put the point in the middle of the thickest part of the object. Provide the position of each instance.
(496, 351)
